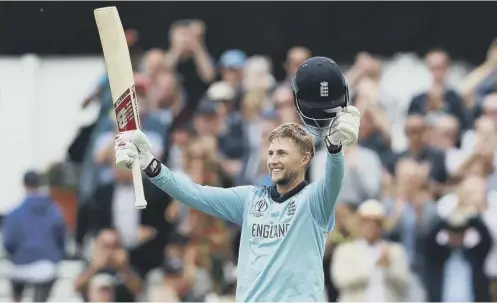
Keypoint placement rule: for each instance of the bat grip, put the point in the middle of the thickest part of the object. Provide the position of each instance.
(140, 202)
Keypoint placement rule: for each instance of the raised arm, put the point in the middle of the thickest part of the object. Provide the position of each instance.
(343, 132)
(224, 203)
(325, 192)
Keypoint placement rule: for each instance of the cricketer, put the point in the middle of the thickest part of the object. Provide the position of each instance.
(284, 226)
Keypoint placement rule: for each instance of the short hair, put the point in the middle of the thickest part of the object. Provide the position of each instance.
(304, 140)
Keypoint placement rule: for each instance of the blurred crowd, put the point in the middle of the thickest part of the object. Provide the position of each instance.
(415, 225)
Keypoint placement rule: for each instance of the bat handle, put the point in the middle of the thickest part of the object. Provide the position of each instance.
(140, 202)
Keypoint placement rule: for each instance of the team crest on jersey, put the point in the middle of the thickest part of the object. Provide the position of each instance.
(291, 209)
(259, 208)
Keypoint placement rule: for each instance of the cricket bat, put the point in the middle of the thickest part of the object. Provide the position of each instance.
(121, 80)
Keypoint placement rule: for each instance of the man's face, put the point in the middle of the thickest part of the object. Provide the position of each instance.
(206, 124)
(166, 89)
(443, 135)
(414, 130)
(437, 63)
(285, 161)
(284, 103)
(294, 59)
(371, 228)
(232, 75)
(180, 137)
(154, 62)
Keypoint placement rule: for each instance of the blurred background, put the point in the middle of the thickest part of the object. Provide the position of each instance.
(213, 80)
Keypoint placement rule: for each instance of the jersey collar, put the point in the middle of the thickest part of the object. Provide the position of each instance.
(281, 198)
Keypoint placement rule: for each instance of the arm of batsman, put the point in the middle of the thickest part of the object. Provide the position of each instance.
(344, 130)
(130, 146)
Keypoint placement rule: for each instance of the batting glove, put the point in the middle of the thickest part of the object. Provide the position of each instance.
(130, 146)
(345, 128)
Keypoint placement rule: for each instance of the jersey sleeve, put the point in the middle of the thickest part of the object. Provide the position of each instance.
(224, 203)
(324, 193)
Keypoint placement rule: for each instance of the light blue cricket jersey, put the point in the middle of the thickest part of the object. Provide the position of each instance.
(282, 244)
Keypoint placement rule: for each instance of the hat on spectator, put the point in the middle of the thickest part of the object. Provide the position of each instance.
(32, 179)
(102, 280)
(372, 209)
(207, 107)
(234, 58)
(221, 91)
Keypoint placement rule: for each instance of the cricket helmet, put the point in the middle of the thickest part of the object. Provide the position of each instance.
(320, 93)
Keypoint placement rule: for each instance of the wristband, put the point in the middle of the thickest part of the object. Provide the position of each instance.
(333, 149)
(153, 169)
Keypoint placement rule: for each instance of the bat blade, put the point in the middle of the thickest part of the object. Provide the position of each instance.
(119, 69)
(121, 81)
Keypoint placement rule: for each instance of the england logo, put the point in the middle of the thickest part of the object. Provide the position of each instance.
(324, 89)
(291, 209)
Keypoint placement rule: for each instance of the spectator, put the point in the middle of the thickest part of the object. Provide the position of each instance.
(101, 288)
(154, 64)
(206, 120)
(111, 259)
(180, 279)
(284, 105)
(457, 247)
(231, 68)
(370, 269)
(141, 232)
(187, 50)
(257, 74)
(415, 130)
(489, 106)
(231, 136)
(166, 98)
(484, 129)
(252, 108)
(231, 64)
(479, 159)
(223, 93)
(189, 57)
(208, 123)
(411, 212)
(439, 97)
(295, 56)
(490, 217)
(345, 230)
(375, 133)
(180, 138)
(443, 134)
(34, 239)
